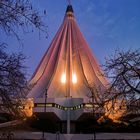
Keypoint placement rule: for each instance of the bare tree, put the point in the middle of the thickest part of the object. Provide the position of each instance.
(103, 104)
(19, 13)
(15, 16)
(123, 70)
(12, 82)
(96, 98)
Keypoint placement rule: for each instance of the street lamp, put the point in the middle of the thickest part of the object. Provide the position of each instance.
(46, 94)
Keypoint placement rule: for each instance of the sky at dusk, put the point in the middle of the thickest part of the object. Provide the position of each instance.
(105, 24)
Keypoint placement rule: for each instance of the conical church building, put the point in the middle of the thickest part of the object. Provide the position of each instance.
(60, 85)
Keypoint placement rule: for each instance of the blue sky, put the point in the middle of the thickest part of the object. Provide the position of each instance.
(106, 25)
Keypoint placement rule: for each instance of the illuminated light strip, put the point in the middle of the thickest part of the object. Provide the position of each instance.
(42, 105)
(88, 105)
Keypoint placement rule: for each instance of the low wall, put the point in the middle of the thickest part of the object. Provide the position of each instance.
(97, 136)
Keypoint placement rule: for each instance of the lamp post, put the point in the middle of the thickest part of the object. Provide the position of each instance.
(68, 115)
(66, 82)
(46, 94)
(66, 79)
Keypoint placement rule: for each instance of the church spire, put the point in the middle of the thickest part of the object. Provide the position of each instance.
(69, 9)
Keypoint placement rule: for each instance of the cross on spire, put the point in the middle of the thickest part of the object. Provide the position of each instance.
(69, 2)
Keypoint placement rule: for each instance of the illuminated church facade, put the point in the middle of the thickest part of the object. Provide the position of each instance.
(60, 84)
